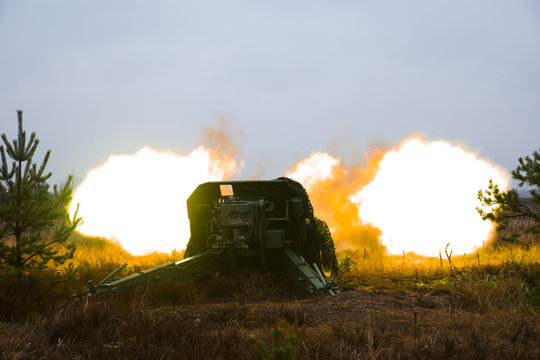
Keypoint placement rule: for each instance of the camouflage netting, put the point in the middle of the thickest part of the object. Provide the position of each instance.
(319, 248)
(326, 246)
(298, 190)
(317, 229)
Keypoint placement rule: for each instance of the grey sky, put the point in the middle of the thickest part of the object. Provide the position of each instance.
(102, 77)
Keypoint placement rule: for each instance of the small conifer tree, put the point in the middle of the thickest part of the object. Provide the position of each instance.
(508, 205)
(281, 350)
(31, 217)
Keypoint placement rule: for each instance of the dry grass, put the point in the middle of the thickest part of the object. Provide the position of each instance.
(477, 306)
(390, 308)
(93, 252)
(355, 325)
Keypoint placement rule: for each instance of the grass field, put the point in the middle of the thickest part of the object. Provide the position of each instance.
(479, 306)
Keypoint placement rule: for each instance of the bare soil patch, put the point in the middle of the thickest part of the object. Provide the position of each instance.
(356, 324)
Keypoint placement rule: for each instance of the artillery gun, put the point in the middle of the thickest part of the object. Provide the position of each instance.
(244, 227)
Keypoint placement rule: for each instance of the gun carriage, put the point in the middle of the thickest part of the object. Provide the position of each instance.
(244, 227)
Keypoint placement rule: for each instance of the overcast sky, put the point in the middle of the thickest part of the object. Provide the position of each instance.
(101, 77)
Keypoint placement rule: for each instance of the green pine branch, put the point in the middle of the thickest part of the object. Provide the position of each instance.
(506, 205)
(281, 350)
(32, 218)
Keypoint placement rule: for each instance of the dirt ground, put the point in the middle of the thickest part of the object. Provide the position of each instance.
(359, 324)
(356, 324)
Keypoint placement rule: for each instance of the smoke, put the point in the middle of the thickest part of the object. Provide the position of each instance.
(424, 197)
(139, 199)
(418, 196)
(388, 197)
(329, 184)
(222, 140)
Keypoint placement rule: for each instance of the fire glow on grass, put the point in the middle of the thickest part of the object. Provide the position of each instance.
(140, 199)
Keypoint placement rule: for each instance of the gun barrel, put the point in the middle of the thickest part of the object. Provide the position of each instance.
(110, 275)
